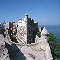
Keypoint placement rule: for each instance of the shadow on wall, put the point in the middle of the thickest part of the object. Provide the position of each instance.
(14, 52)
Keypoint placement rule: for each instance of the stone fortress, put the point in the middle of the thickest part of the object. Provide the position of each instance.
(23, 34)
(24, 31)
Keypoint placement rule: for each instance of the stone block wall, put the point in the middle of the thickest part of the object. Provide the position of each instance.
(32, 28)
(21, 35)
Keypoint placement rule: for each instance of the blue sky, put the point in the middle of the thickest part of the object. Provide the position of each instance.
(45, 12)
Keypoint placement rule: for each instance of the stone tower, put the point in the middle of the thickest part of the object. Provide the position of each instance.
(44, 34)
(26, 30)
(45, 45)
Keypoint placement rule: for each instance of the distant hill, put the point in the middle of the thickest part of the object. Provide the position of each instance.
(0, 24)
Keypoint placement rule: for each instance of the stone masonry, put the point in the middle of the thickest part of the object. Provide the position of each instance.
(26, 30)
(3, 50)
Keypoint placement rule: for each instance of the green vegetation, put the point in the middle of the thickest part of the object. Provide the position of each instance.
(38, 34)
(55, 47)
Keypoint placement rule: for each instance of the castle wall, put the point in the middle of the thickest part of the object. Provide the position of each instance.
(26, 31)
(22, 31)
(31, 30)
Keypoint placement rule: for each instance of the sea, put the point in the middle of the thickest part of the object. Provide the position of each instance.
(54, 29)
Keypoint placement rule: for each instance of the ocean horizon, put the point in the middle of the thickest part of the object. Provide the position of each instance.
(54, 29)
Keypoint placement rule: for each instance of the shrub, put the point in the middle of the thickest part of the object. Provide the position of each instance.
(38, 34)
(55, 47)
